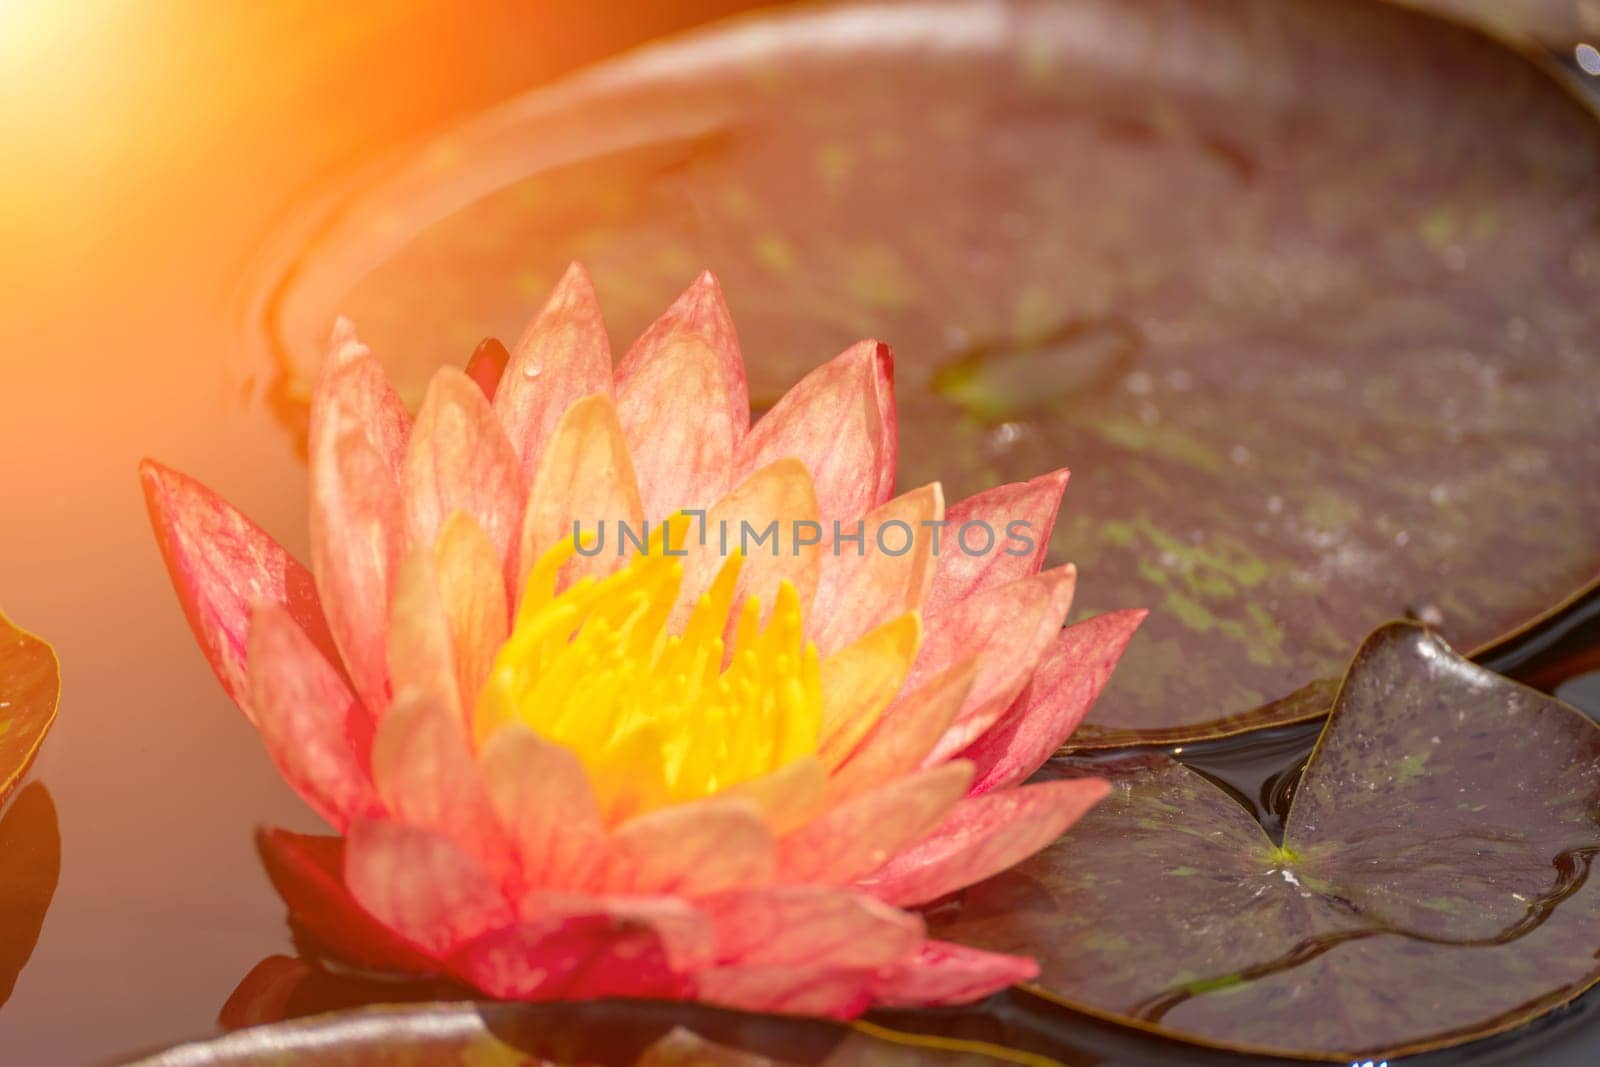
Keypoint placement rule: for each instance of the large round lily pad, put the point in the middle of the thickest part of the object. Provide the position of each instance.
(604, 1034)
(1303, 291)
(1432, 886)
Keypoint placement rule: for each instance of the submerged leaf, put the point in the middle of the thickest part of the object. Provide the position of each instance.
(30, 686)
(1432, 885)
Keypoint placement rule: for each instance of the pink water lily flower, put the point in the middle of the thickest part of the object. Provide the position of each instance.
(560, 772)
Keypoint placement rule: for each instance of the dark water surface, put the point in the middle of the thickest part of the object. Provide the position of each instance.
(121, 334)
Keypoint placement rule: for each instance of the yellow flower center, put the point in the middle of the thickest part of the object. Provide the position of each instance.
(657, 717)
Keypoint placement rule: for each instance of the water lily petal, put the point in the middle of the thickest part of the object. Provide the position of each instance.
(421, 886)
(1061, 692)
(776, 497)
(865, 586)
(358, 537)
(307, 872)
(827, 992)
(859, 835)
(810, 925)
(424, 771)
(316, 731)
(691, 849)
(1033, 503)
(585, 476)
(983, 836)
(946, 973)
(473, 596)
(860, 680)
(571, 957)
(839, 421)
(1008, 628)
(789, 797)
(562, 357)
(459, 460)
(541, 795)
(683, 402)
(906, 733)
(421, 655)
(222, 565)
(352, 389)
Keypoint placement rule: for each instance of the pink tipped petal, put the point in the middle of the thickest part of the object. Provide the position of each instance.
(773, 499)
(860, 680)
(866, 585)
(222, 565)
(1009, 629)
(1026, 510)
(683, 402)
(789, 797)
(562, 357)
(983, 836)
(839, 421)
(945, 973)
(810, 925)
(460, 460)
(357, 539)
(859, 835)
(585, 477)
(909, 729)
(541, 795)
(421, 886)
(308, 874)
(1060, 694)
(833, 993)
(313, 727)
(683, 929)
(691, 849)
(352, 389)
(426, 776)
(572, 957)
(473, 595)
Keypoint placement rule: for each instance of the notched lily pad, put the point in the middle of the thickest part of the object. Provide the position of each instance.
(606, 1034)
(1432, 885)
(1303, 293)
(30, 686)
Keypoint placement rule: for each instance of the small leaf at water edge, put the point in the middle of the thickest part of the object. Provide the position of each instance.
(1432, 885)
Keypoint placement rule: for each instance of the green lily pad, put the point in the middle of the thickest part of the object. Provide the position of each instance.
(30, 687)
(1302, 292)
(1432, 885)
(604, 1034)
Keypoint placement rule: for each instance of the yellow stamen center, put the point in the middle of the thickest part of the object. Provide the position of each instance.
(657, 717)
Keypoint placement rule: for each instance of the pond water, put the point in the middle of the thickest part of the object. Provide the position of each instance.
(157, 334)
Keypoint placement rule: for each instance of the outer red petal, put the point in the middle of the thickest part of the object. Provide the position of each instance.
(314, 729)
(810, 926)
(835, 993)
(222, 565)
(683, 402)
(983, 836)
(959, 575)
(1060, 694)
(563, 356)
(307, 872)
(839, 421)
(571, 957)
(944, 973)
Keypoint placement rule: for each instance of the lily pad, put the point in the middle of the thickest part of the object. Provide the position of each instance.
(30, 686)
(1303, 292)
(607, 1034)
(1432, 885)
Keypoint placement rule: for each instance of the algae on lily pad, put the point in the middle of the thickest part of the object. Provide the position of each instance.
(1303, 293)
(30, 686)
(602, 1033)
(1431, 886)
